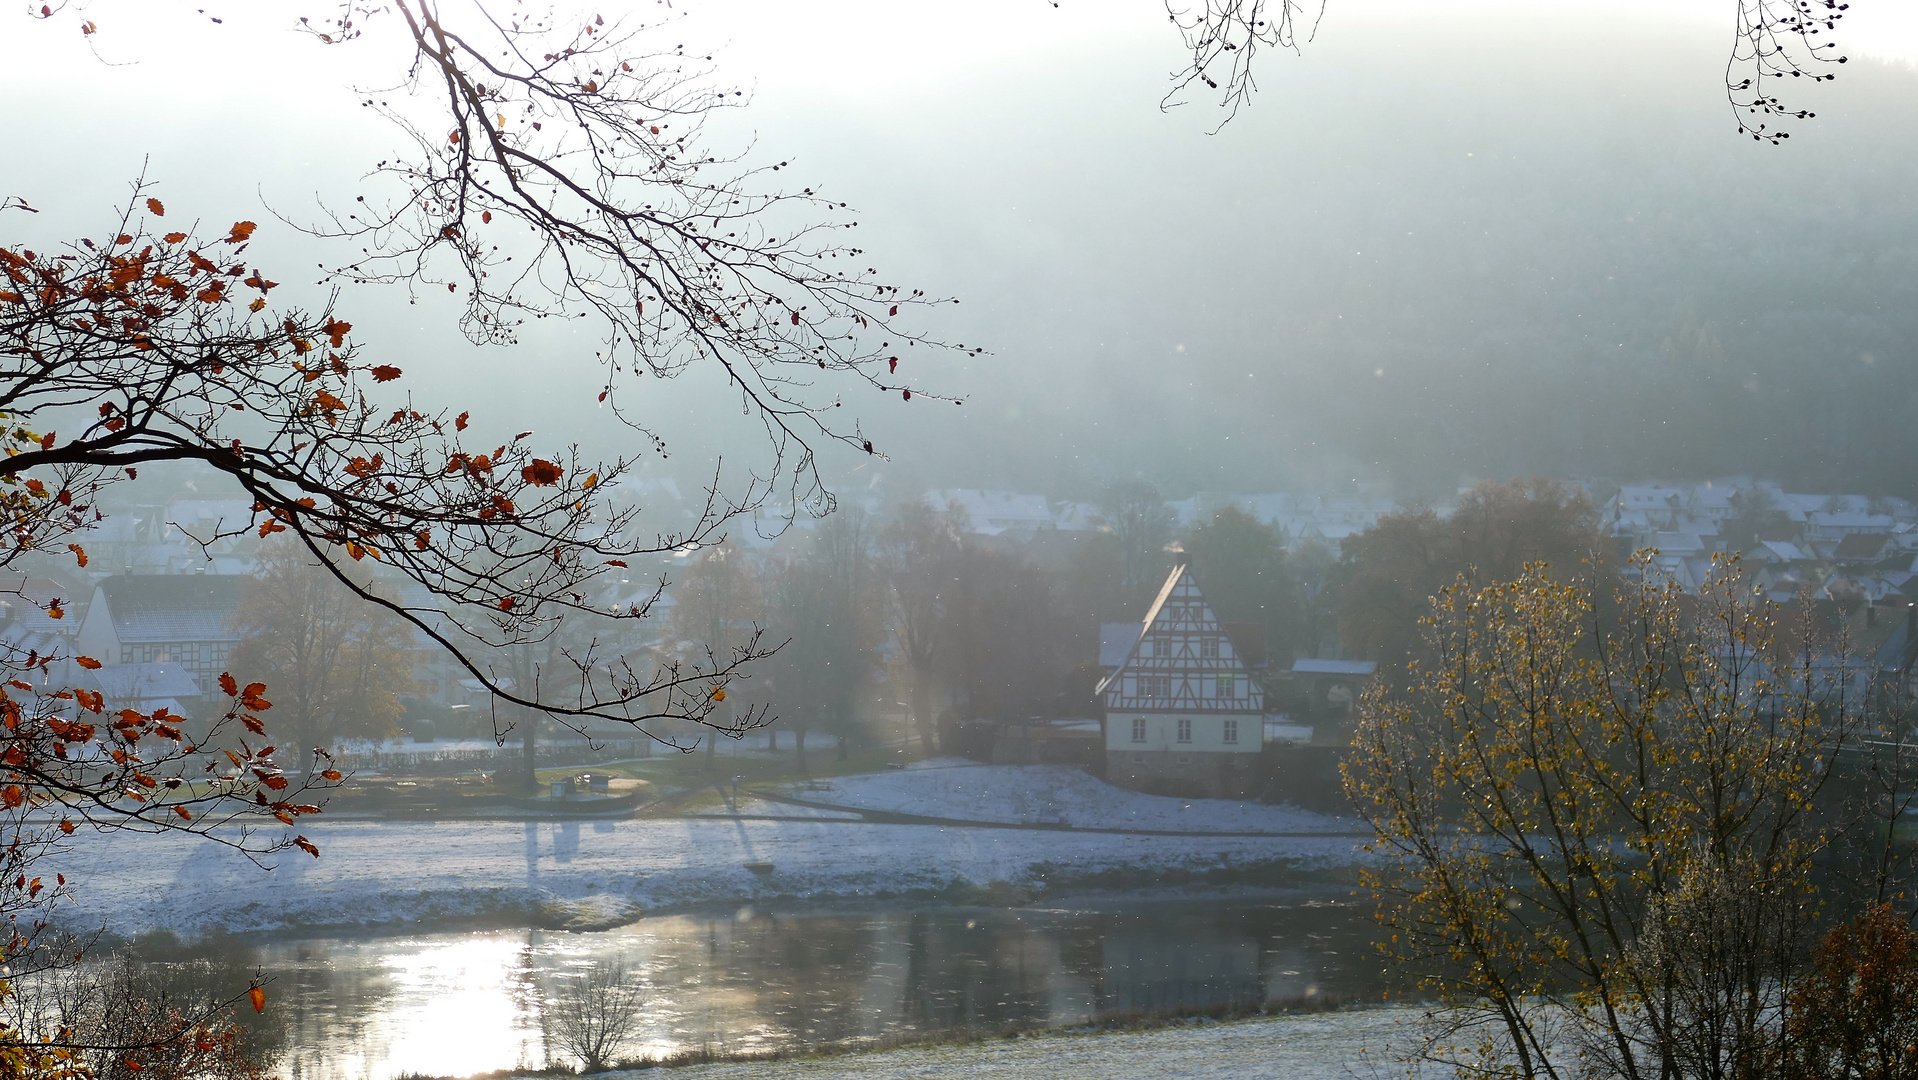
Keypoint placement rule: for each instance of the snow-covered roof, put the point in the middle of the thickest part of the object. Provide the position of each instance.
(1650, 497)
(24, 607)
(994, 512)
(1116, 640)
(1778, 551)
(1678, 543)
(1851, 520)
(173, 607)
(1335, 667)
(145, 682)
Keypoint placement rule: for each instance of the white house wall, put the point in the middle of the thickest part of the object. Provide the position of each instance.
(1161, 731)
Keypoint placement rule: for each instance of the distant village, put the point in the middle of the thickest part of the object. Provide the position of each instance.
(1174, 698)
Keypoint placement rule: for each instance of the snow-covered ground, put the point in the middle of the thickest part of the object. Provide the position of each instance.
(957, 788)
(592, 872)
(1357, 1045)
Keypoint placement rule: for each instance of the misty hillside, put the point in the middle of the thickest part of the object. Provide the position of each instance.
(1413, 260)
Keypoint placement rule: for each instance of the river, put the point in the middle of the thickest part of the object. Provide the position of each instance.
(457, 1004)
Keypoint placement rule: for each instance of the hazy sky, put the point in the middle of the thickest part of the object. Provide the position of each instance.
(1008, 152)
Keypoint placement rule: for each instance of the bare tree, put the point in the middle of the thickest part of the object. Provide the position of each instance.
(1772, 39)
(591, 1014)
(337, 665)
(557, 171)
(918, 550)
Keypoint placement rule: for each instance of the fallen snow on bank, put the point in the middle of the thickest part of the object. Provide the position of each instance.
(957, 788)
(387, 872)
(1328, 1046)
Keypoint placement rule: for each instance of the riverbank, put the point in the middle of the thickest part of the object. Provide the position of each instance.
(413, 875)
(1332, 1045)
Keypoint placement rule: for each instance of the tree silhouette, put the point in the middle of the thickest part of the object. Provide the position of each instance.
(1771, 39)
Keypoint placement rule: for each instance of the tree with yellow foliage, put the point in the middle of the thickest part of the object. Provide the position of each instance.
(1595, 837)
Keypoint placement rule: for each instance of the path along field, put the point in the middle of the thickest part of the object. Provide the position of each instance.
(1360, 1044)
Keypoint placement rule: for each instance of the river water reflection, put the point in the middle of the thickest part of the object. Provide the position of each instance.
(458, 1004)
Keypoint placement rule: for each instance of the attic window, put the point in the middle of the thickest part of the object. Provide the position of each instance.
(1209, 648)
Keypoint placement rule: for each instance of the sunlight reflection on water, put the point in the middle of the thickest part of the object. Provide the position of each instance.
(459, 1004)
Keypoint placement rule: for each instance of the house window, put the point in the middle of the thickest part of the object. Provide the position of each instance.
(1228, 686)
(1185, 730)
(1138, 729)
(1167, 647)
(1209, 648)
(1232, 731)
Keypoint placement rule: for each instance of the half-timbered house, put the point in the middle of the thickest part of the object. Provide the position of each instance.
(1184, 714)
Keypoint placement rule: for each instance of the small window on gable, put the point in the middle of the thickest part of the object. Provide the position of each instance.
(1209, 648)
(1228, 686)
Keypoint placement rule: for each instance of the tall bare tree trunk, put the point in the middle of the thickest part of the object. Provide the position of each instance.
(922, 705)
(529, 751)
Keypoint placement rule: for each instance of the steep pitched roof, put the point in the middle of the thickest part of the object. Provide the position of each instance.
(173, 607)
(1181, 616)
(1116, 640)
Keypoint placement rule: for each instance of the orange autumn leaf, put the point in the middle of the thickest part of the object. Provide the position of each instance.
(541, 473)
(156, 208)
(241, 230)
(257, 995)
(174, 237)
(87, 662)
(228, 685)
(385, 373)
(79, 554)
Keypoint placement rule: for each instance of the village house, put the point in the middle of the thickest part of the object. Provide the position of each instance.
(1184, 714)
(175, 619)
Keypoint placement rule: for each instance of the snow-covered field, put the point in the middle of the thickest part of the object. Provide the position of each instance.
(957, 788)
(605, 872)
(1357, 1045)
